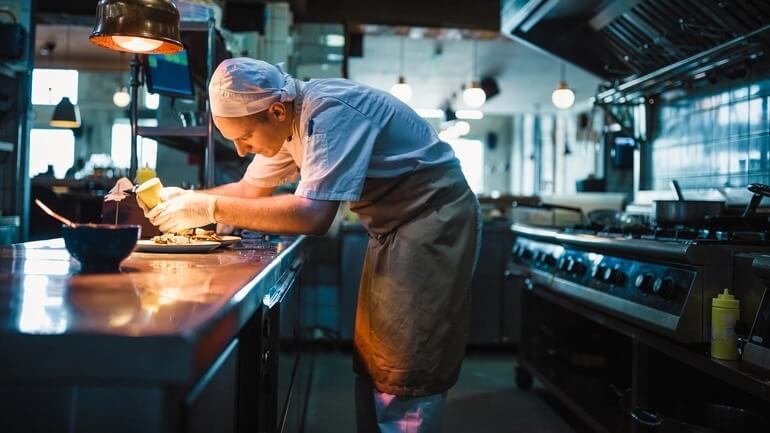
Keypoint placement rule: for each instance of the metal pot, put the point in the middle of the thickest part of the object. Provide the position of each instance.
(684, 212)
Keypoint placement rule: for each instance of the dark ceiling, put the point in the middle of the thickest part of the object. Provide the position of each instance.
(483, 15)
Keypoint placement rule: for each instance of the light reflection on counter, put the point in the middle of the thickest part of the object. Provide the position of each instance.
(46, 267)
(41, 312)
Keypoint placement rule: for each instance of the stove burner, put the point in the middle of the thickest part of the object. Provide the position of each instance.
(724, 229)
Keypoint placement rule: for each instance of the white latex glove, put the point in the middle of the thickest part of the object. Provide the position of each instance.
(225, 229)
(167, 193)
(185, 211)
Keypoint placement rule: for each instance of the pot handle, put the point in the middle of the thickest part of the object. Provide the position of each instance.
(760, 191)
(677, 190)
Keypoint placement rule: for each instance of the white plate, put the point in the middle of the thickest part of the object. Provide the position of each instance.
(229, 240)
(148, 246)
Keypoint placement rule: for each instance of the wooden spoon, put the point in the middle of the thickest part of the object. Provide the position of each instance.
(48, 210)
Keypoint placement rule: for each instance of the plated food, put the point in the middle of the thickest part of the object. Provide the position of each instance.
(189, 241)
(186, 237)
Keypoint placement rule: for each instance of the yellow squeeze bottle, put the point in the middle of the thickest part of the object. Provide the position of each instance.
(149, 192)
(725, 311)
(144, 174)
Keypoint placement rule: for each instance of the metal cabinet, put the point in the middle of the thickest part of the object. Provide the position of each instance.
(492, 317)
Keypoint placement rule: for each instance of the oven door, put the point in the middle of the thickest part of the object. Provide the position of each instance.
(286, 325)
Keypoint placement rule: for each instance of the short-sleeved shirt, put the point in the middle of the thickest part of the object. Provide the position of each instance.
(347, 132)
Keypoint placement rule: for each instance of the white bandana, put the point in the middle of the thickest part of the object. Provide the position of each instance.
(244, 86)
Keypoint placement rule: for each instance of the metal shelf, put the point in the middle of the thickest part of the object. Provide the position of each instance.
(172, 131)
(729, 372)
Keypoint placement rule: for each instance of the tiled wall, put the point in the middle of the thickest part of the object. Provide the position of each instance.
(713, 138)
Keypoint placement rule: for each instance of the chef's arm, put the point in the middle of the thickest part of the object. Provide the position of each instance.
(240, 189)
(279, 214)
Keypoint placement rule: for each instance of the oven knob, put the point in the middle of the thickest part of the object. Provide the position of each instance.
(614, 276)
(562, 264)
(664, 287)
(525, 253)
(597, 272)
(643, 282)
(575, 267)
(549, 259)
(516, 249)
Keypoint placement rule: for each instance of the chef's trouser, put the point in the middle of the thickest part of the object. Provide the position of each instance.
(380, 412)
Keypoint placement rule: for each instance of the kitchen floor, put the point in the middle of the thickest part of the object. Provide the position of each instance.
(485, 399)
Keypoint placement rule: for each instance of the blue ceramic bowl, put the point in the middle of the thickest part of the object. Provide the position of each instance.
(100, 247)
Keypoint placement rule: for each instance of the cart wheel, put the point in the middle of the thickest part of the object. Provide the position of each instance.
(523, 378)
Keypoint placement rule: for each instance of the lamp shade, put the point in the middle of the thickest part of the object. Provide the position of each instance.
(137, 26)
(65, 115)
(474, 96)
(402, 90)
(563, 97)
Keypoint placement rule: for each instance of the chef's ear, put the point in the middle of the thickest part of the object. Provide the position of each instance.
(278, 110)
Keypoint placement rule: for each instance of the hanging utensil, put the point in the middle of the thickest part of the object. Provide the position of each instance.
(55, 215)
(677, 190)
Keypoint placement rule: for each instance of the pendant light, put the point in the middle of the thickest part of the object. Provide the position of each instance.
(474, 96)
(121, 98)
(137, 26)
(401, 89)
(563, 97)
(66, 115)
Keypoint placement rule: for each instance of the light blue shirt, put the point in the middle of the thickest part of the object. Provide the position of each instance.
(348, 132)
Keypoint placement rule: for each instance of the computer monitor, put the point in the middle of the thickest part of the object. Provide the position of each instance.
(169, 74)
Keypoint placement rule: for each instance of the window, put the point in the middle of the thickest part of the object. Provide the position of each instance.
(54, 147)
(471, 156)
(50, 85)
(121, 145)
(151, 100)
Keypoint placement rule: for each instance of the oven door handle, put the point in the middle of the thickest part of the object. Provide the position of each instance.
(278, 292)
(512, 273)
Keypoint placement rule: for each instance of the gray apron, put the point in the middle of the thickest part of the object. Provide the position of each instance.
(413, 312)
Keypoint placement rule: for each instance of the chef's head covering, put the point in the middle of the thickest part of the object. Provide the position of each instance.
(244, 86)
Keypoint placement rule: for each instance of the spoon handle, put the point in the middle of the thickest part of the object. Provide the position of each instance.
(55, 215)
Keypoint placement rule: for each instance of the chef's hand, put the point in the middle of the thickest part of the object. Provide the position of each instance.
(167, 193)
(185, 211)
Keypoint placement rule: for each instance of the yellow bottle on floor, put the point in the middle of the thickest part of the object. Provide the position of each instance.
(725, 311)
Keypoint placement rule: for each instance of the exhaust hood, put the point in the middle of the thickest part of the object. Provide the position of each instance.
(642, 46)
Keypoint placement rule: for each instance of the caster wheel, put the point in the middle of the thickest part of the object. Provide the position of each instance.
(523, 378)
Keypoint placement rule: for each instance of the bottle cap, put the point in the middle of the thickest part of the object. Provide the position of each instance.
(725, 300)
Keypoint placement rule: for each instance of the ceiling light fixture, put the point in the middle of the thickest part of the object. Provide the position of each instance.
(401, 89)
(474, 96)
(66, 115)
(563, 97)
(137, 26)
(121, 98)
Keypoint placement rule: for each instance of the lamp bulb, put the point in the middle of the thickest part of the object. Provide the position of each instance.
(121, 98)
(402, 90)
(474, 97)
(563, 97)
(136, 44)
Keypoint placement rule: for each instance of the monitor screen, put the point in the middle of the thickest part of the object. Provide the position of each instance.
(169, 74)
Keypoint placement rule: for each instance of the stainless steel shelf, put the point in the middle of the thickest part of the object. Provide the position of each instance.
(172, 131)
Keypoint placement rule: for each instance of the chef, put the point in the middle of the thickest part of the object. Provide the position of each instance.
(346, 142)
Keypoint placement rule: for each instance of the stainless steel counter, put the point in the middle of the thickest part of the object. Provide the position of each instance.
(164, 317)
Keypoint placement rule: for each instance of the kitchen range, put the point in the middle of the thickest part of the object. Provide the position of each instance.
(611, 312)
